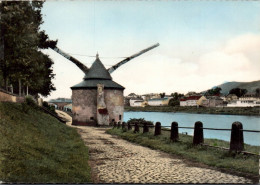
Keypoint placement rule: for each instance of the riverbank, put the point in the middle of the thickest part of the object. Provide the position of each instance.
(250, 111)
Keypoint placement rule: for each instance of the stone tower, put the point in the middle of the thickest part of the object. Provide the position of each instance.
(97, 100)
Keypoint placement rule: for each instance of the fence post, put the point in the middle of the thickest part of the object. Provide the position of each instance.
(136, 128)
(129, 126)
(237, 138)
(157, 130)
(118, 125)
(174, 131)
(124, 127)
(145, 128)
(198, 133)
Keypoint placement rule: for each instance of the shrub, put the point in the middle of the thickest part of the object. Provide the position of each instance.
(139, 121)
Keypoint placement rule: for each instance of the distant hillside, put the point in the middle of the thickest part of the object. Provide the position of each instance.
(250, 86)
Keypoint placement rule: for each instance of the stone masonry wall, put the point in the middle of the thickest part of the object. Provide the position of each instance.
(84, 105)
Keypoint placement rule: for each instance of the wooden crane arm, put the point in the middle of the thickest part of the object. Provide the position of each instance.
(72, 59)
(113, 68)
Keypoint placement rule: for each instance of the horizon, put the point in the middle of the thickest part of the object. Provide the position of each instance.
(202, 44)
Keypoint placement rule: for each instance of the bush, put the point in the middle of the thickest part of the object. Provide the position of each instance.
(139, 121)
(29, 100)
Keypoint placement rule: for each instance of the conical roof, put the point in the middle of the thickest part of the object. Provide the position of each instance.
(97, 74)
(97, 71)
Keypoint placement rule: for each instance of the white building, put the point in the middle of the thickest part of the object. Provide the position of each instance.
(190, 101)
(159, 101)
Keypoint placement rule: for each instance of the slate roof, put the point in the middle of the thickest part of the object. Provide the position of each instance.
(97, 74)
(98, 71)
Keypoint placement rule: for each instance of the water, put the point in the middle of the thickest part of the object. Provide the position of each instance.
(208, 120)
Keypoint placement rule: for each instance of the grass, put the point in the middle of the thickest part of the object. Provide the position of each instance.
(36, 148)
(246, 164)
(254, 111)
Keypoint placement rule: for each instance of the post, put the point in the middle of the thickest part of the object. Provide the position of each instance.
(123, 127)
(129, 126)
(174, 131)
(198, 133)
(114, 124)
(237, 138)
(136, 128)
(157, 130)
(145, 128)
(118, 125)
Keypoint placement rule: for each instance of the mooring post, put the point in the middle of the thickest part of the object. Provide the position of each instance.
(237, 137)
(114, 124)
(124, 126)
(174, 131)
(118, 125)
(129, 126)
(145, 128)
(157, 130)
(136, 128)
(198, 133)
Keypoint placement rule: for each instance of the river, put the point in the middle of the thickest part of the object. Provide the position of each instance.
(208, 120)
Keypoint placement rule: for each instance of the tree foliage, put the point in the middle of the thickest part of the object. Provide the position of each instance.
(238, 92)
(22, 40)
(214, 91)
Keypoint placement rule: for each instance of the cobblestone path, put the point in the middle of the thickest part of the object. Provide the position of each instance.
(115, 160)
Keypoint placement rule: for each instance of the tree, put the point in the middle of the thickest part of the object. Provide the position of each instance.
(257, 92)
(238, 92)
(214, 91)
(23, 64)
(162, 95)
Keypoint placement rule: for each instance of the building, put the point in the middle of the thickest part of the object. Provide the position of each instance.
(59, 102)
(190, 101)
(212, 101)
(159, 101)
(150, 96)
(97, 100)
(68, 107)
(133, 100)
(248, 100)
(231, 97)
(139, 103)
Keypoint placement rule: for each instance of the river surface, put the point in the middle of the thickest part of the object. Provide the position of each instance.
(208, 120)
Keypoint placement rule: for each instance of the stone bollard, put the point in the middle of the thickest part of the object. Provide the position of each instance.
(129, 127)
(145, 128)
(174, 132)
(198, 133)
(118, 125)
(114, 124)
(124, 127)
(237, 138)
(136, 128)
(157, 130)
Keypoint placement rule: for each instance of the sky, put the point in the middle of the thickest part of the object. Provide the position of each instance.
(202, 43)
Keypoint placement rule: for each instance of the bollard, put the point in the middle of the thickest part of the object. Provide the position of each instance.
(174, 131)
(136, 128)
(118, 125)
(198, 133)
(124, 127)
(145, 128)
(129, 127)
(114, 124)
(237, 138)
(157, 130)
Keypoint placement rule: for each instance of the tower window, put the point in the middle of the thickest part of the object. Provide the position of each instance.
(120, 117)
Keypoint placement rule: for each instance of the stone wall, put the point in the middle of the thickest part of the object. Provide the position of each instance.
(6, 96)
(84, 106)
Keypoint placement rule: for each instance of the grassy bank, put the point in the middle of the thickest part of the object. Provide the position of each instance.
(254, 111)
(245, 164)
(35, 147)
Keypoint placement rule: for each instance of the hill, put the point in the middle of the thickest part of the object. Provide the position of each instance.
(36, 148)
(250, 86)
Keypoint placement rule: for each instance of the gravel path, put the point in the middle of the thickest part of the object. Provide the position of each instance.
(114, 160)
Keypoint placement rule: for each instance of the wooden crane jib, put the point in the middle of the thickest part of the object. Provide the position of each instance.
(111, 69)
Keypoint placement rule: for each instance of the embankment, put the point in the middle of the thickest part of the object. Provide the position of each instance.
(253, 111)
(36, 148)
